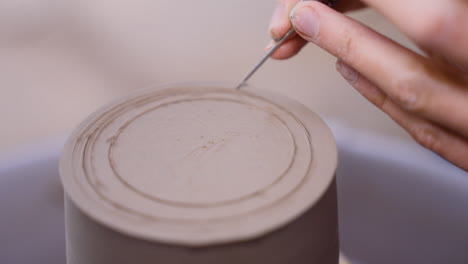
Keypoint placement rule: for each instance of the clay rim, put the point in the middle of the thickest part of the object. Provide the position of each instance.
(323, 168)
(93, 132)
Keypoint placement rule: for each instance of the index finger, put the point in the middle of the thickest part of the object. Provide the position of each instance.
(280, 22)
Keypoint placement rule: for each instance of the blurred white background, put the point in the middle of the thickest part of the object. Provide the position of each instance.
(61, 60)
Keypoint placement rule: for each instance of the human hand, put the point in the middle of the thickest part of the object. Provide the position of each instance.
(427, 94)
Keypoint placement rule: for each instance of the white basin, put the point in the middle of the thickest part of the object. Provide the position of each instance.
(398, 203)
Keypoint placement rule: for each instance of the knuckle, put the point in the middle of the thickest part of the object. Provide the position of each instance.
(427, 136)
(407, 93)
(380, 101)
(345, 49)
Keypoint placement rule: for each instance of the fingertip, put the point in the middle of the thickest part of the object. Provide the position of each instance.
(280, 23)
(279, 28)
(281, 55)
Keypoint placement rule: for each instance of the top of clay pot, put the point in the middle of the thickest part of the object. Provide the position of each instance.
(198, 165)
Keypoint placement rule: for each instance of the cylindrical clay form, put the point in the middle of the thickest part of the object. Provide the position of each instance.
(201, 174)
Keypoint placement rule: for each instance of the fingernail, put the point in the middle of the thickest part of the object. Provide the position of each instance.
(305, 20)
(278, 15)
(346, 71)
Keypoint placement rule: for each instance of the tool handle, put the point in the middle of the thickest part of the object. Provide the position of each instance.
(329, 3)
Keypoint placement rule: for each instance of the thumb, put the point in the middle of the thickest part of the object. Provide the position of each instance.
(306, 20)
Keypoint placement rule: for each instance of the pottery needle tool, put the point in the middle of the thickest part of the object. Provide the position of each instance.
(278, 44)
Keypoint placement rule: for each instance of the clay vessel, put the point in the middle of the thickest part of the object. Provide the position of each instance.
(202, 174)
